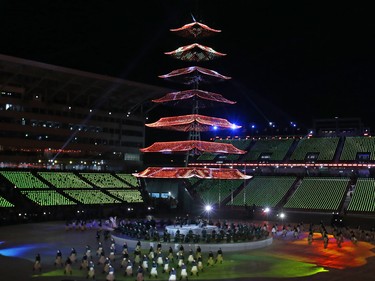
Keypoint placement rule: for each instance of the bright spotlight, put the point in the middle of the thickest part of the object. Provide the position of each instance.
(282, 215)
(266, 210)
(208, 209)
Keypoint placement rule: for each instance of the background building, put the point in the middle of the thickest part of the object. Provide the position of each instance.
(59, 118)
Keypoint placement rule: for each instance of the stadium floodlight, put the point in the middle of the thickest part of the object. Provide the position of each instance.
(208, 209)
(282, 216)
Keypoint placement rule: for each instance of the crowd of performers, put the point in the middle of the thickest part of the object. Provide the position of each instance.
(139, 262)
(322, 232)
(226, 232)
(179, 263)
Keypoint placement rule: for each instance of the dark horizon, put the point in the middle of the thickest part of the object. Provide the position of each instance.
(289, 62)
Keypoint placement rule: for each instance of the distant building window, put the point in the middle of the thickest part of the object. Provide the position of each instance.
(164, 195)
(312, 156)
(363, 156)
(265, 156)
(132, 157)
(155, 194)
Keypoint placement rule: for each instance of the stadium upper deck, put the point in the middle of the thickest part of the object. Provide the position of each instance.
(59, 118)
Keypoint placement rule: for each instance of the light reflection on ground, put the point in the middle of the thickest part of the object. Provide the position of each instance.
(349, 255)
(285, 258)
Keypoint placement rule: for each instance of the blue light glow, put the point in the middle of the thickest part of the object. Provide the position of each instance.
(17, 251)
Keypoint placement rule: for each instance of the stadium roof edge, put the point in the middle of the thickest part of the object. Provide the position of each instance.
(32, 63)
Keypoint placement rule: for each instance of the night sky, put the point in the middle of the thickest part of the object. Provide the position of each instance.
(289, 60)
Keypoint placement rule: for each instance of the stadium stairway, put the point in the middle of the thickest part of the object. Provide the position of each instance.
(348, 196)
(290, 151)
(339, 149)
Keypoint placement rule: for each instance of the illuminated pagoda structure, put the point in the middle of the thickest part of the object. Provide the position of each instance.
(194, 123)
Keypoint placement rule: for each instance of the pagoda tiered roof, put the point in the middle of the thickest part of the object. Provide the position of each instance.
(194, 75)
(197, 122)
(195, 29)
(193, 145)
(195, 52)
(193, 97)
(193, 123)
(192, 172)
